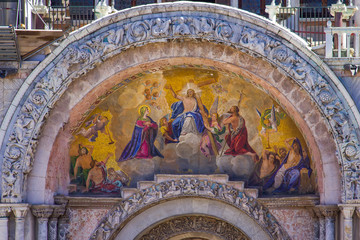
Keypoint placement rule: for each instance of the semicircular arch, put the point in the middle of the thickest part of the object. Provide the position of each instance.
(185, 197)
(89, 47)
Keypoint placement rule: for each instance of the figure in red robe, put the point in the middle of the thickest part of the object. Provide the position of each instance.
(237, 139)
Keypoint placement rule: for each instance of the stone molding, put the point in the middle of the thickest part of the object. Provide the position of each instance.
(175, 189)
(189, 224)
(92, 45)
(290, 202)
(88, 202)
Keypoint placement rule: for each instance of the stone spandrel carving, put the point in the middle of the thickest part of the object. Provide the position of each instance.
(352, 181)
(203, 26)
(183, 225)
(185, 187)
(160, 27)
(83, 55)
(257, 42)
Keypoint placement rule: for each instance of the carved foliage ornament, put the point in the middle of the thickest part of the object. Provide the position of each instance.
(83, 55)
(181, 225)
(185, 187)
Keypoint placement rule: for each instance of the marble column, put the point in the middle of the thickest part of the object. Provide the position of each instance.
(321, 223)
(63, 226)
(53, 223)
(20, 211)
(357, 211)
(347, 212)
(5, 211)
(42, 214)
(329, 212)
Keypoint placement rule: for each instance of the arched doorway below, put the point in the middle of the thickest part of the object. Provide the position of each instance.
(193, 227)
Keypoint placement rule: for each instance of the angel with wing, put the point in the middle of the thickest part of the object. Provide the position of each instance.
(96, 123)
(215, 128)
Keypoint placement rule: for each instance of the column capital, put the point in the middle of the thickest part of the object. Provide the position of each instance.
(347, 210)
(328, 210)
(357, 211)
(59, 210)
(5, 211)
(317, 212)
(20, 210)
(42, 211)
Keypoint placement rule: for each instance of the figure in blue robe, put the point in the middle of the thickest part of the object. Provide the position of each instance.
(186, 122)
(289, 178)
(179, 118)
(142, 141)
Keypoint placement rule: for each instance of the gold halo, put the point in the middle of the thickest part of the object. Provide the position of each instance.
(144, 106)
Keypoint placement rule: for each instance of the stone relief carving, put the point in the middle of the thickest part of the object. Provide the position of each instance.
(182, 225)
(186, 187)
(83, 55)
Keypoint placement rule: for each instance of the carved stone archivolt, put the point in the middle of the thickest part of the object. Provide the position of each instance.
(189, 224)
(184, 188)
(82, 52)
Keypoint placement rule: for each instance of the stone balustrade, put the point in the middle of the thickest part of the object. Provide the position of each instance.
(347, 45)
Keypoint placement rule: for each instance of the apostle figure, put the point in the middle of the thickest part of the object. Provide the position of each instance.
(98, 181)
(287, 177)
(141, 144)
(237, 139)
(186, 114)
(265, 168)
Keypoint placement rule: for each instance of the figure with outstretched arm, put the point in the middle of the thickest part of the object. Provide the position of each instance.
(96, 174)
(99, 181)
(237, 139)
(186, 114)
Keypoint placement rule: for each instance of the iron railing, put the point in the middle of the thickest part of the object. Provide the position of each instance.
(77, 13)
(307, 22)
(64, 14)
(123, 4)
